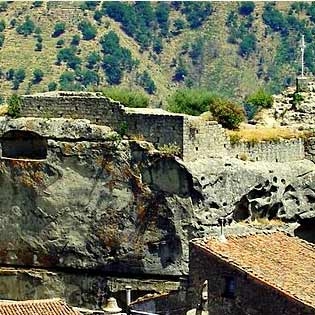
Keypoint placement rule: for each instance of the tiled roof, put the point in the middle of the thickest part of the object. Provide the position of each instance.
(284, 262)
(36, 307)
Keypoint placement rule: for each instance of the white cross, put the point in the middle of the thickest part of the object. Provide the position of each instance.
(302, 56)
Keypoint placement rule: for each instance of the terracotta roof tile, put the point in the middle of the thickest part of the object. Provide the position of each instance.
(36, 307)
(284, 262)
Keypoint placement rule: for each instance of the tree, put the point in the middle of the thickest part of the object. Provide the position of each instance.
(98, 15)
(179, 25)
(2, 25)
(74, 62)
(109, 42)
(14, 105)
(227, 113)
(158, 45)
(162, 12)
(180, 72)
(190, 101)
(66, 81)
(147, 83)
(89, 77)
(37, 4)
(247, 45)
(126, 97)
(38, 75)
(274, 18)
(38, 46)
(26, 28)
(92, 59)
(260, 99)
(60, 43)
(196, 12)
(1, 39)
(89, 5)
(196, 51)
(112, 68)
(246, 7)
(19, 75)
(10, 74)
(52, 86)
(75, 40)
(66, 54)
(3, 6)
(59, 29)
(87, 29)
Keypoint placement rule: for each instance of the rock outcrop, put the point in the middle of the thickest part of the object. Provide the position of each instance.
(98, 206)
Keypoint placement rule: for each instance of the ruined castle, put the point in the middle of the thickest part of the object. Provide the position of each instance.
(194, 136)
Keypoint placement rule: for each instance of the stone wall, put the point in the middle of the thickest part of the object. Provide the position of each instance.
(310, 149)
(195, 137)
(158, 129)
(280, 151)
(99, 110)
(251, 295)
(203, 139)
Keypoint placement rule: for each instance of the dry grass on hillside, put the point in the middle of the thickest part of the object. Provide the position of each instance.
(3, 110)
(255, 135)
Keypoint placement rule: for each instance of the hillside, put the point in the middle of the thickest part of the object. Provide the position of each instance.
(229, 48)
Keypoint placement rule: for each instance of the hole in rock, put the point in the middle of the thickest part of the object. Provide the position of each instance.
(24, 145)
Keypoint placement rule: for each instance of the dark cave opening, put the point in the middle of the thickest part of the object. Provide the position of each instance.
(19, 144)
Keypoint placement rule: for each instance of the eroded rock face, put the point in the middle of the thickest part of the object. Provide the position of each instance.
(246, 190)
(120, 207)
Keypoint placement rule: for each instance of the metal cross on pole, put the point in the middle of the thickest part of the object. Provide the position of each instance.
(302, 56)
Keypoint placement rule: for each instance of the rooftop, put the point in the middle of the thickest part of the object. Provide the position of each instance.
(281, 261)
(36, 307)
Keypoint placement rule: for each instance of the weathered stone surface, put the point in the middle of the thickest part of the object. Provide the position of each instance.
(99, 204)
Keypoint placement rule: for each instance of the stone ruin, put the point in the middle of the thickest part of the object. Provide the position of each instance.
(190, 134)
(194, 136)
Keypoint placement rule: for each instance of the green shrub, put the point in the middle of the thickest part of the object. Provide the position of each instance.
(127, 97)
(92, 59)
(260, 99)
(3, 6)
(170, 149)
(38, 46)
(59, 29)
(190, 101)
(227, 113)
(26, 28)
(1, 40)
(75, 40)
(52, 86)
(246, 7)
(146, 82)
(37, 4)
(60, 43)
(297, 98)
(14, 103)
(247, 45)
(2, 25)
(38, 75)
(87, 29)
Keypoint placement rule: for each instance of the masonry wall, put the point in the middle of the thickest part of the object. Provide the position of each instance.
(280, 151)
(251, 297)
(203, 139)
(98, 110)
(310, 149)
(158, 129)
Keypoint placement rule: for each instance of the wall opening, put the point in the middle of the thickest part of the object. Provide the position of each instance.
(24, 145)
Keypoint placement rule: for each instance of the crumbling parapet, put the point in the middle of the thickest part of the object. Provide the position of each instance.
(305, 84)
(96, 108)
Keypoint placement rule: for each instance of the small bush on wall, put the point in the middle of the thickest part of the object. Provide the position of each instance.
(127, 97)
(14, 103)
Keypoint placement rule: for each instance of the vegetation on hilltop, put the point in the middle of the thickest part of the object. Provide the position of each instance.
(231, 49)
